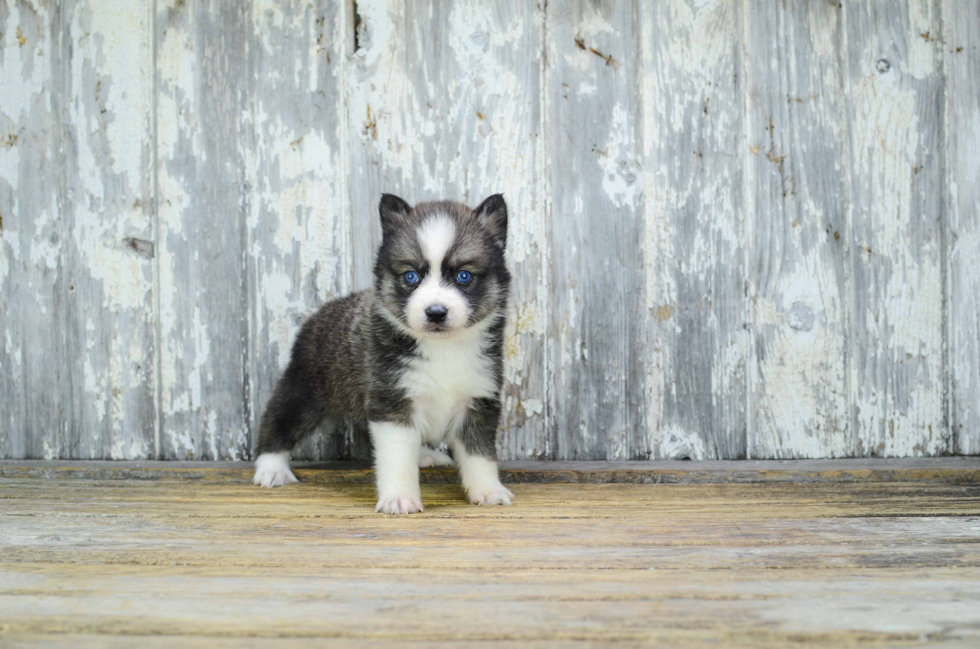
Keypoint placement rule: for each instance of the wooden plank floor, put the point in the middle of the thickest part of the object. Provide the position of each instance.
(114, 562)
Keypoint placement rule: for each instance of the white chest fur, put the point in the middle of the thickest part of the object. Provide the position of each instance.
(443, 380)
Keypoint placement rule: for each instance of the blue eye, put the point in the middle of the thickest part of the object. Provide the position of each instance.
(464, 277)
(412, 277)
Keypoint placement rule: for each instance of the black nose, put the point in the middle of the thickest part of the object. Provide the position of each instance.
(436, 313)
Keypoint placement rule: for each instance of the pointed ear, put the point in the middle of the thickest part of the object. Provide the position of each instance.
(492, 213)
(392, 210)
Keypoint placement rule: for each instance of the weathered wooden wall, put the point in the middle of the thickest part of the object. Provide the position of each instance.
(739, 228)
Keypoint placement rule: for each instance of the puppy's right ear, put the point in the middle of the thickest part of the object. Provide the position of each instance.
(392, 210)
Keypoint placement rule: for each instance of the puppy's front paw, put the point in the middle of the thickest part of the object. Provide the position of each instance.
(273, 478)
(431, 457)
(499, 495)
(399, 504)
(272, 470)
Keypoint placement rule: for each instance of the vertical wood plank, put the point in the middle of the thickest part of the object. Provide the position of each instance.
(204, 93)
(299, 230)
(961, 45)
(593, 149)
(797, 198)
(109, 250)
(34, 378)
(695, 230)
(894, 103)
(444, 103)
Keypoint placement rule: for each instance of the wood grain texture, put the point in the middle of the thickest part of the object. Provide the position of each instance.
(894, 105)
(961, 54)
(796, 198)
(593, 152)
(743, 565)
(694, 240)
(444, 103)
(299, 231)
(204, 95)
(108, 216)
(35, 389)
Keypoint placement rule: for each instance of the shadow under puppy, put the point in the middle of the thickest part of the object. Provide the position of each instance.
(419, 357)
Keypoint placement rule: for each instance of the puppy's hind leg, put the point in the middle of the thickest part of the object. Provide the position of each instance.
(432, 457)
(292, 413)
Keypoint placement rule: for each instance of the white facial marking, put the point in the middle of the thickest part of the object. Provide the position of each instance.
(436, 237)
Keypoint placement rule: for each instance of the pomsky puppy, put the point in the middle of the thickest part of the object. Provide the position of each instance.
(418, 358)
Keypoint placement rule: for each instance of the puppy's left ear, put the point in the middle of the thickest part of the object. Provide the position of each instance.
(492, 213)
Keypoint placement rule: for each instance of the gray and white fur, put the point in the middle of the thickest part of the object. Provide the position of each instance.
(419, 357)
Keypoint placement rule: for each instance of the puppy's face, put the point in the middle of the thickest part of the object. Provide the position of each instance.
(441, 267)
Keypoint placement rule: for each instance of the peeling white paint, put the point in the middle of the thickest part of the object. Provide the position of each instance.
(25, 65)
(694, 228)
(9, 251)
(897, 318)
(795, 188)
(620, 173)
(962, 164)
(533, 407)
(679, 444)
(925, 38)
(726, 156)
